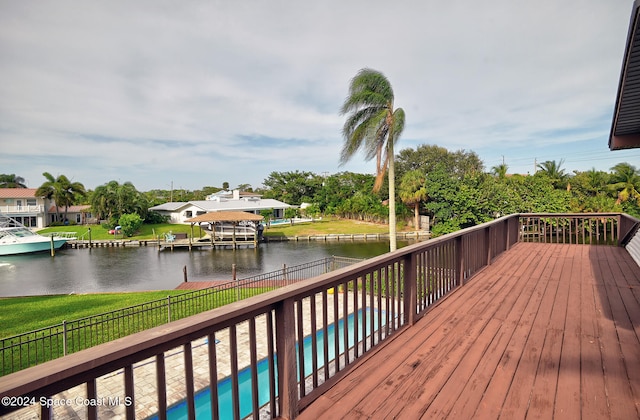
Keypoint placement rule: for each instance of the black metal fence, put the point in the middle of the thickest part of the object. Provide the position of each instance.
(35, 347)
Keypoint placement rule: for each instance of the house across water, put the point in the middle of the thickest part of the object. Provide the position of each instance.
(179, 212)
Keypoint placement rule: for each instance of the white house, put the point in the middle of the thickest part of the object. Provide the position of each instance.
(178, 212)
(22, 205)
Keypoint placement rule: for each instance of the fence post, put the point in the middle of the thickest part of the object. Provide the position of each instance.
(168, 308)
(287, 365)
(284, 273)
(235, 281)
(488, 240)
(459, 261)
(410, 296)
(64, 338)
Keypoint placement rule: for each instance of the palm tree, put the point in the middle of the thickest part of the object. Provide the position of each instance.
(61, 190)
(112, 200)
(554, 172)
(500, 171)
(596, 181)
(412, 191)
(626, 182)
(374, 125)
(12, 181)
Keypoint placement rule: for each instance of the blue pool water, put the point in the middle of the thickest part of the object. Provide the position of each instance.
(203, 398)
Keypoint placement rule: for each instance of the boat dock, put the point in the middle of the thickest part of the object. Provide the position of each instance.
(183, 242)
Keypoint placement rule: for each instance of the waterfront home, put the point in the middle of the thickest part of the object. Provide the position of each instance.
(179, 212)
(22, 205)
(80, 215)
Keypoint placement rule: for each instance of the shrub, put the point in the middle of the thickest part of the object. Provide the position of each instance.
(130, 223)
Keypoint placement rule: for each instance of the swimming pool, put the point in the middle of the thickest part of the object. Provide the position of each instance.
(203, 398)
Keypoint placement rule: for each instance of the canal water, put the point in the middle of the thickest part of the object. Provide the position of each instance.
(147, 268)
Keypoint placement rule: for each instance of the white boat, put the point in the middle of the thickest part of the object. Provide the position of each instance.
(16, 238)
(224, 231)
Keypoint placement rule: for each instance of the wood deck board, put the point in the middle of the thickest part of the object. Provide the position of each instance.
(445, 318)
(546, 331)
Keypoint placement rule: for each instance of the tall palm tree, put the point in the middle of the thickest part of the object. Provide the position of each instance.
(373, 124)
(61, 190)
(412, 191)
(626, 182)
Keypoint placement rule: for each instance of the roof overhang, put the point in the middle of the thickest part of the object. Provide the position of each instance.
(625, 129)
(226, 216)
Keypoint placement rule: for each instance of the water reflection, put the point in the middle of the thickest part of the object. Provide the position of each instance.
(147, 268)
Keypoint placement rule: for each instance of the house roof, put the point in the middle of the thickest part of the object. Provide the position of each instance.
(71, 209)
(625, 128)
(168, 206)
(225, 216)
(225, 205)
(17, 192)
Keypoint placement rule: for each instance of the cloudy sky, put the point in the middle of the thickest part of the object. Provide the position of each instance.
(196, 93)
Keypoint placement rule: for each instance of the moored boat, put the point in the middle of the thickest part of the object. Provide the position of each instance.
(16, 238)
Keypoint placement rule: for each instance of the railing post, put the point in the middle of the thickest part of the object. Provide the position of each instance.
(286, 351)
(459, 261)
(64, 338)
(619, 229)
(409, 297)
(488, 236)
(168, 308)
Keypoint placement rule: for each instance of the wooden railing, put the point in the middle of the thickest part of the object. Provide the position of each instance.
(299, 331)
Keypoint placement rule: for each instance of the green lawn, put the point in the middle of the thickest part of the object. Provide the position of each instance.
(318, 227)
(325, 227)
(23, 314)
(146, 231)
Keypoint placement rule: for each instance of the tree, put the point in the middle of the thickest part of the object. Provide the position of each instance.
(292, 187)
(112, 200)
(553, 170)
(12, 181)
(61, 190)
(412, 191)
(130, 223)
(337, 188)
(427, 157)
(500, 171)
(373, 124)
(291, 213)
(625, 180)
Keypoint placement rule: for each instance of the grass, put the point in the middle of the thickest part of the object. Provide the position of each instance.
(326, 227)
(318, 227)
(23, 314)
(99, 233)
(119, 315)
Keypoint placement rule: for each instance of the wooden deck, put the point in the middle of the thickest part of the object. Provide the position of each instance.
(547, 331)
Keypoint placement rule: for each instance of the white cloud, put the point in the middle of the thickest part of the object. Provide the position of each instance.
(175, 87)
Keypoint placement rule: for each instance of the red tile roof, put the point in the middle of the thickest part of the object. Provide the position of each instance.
(17, 192)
